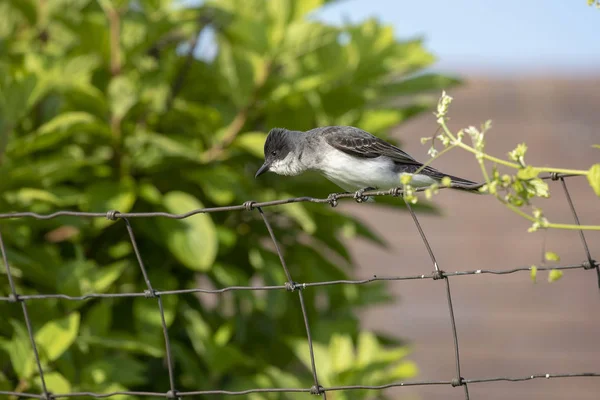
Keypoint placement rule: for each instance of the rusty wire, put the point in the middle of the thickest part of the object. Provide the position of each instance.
(290, 285)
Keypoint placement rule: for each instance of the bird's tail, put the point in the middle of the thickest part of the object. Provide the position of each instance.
(464, 184)
(456, 182)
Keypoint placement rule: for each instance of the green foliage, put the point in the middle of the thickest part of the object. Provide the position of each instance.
(367, 362)
(593, 176)
(554, 275)
(515, 191)
(551, 256)
(533, 273)
(104, 106)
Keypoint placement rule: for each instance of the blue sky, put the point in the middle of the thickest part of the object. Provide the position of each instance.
(499, 37)
(491, 37)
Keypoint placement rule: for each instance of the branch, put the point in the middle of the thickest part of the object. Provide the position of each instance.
(5, 129)
(177, 84)
(114, 22)
(471, 149)
(180, 77)
(239, 121)
(525, 186)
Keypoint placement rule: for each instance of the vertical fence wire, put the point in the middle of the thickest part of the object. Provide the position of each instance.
(592, 263)
(291, 285)
(439, 274)
(28, 324)
(150, 293)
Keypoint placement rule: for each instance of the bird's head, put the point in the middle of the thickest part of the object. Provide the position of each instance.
(279, 153)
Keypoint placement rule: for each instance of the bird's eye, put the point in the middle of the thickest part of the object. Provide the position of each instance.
(273, 153)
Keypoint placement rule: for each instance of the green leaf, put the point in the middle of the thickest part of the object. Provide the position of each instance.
(27, 196)
(5, 384)
(29, 10)
(150, 193)
(197, 328)
(225, 358)
(367, 348)
(147, 313)
(98, 319)
(251, 142)
(380, 120)
(300, 349)
(168, 146)
(193, 240)
(304, 84)
(120, 250)
(341, 351)
(120, 368)
(299, 214)
(109, 195)
(56, 336)
(518, 154)
(133, 33)
(239, 69)
(105, 277)
(219, 183)
(285, 379)
(301, 8)
(540, 187)
(123, 342)
(78, 71)
(55, 382)
(593, 176)
(551, 256)
(17, 97)
(85, 97)
(528, 173)
(306, 37)
(223, 334)
(122, 95)
(554, 275)
(245, 35)
(20, 351)
(533, 273)
(75, 277)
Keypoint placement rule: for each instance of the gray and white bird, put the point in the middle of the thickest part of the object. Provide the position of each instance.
(353, 159)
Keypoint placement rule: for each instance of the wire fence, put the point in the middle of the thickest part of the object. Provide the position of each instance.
(438, 274)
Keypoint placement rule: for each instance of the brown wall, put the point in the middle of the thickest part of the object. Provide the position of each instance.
(507, 326)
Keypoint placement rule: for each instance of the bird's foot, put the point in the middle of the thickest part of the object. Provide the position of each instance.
(397, 191)
(332, 199)
(358, 195)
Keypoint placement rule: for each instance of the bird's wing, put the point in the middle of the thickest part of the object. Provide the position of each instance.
(359, 143)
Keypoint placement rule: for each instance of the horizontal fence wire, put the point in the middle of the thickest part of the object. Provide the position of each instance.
(290, 285)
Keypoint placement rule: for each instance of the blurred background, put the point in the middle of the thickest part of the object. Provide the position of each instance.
(538, 83)
(162, 105)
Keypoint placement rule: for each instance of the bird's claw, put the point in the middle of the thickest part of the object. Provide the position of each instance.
(359, 195)
(333, 199)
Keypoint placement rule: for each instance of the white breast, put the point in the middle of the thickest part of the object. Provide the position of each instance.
(351, 173)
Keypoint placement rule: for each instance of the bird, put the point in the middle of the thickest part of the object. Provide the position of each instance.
(351, 158)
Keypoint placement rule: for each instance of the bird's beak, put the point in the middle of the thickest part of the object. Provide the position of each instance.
(262, 170)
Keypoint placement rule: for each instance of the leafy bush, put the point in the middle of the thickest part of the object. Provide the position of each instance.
(112, 105)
